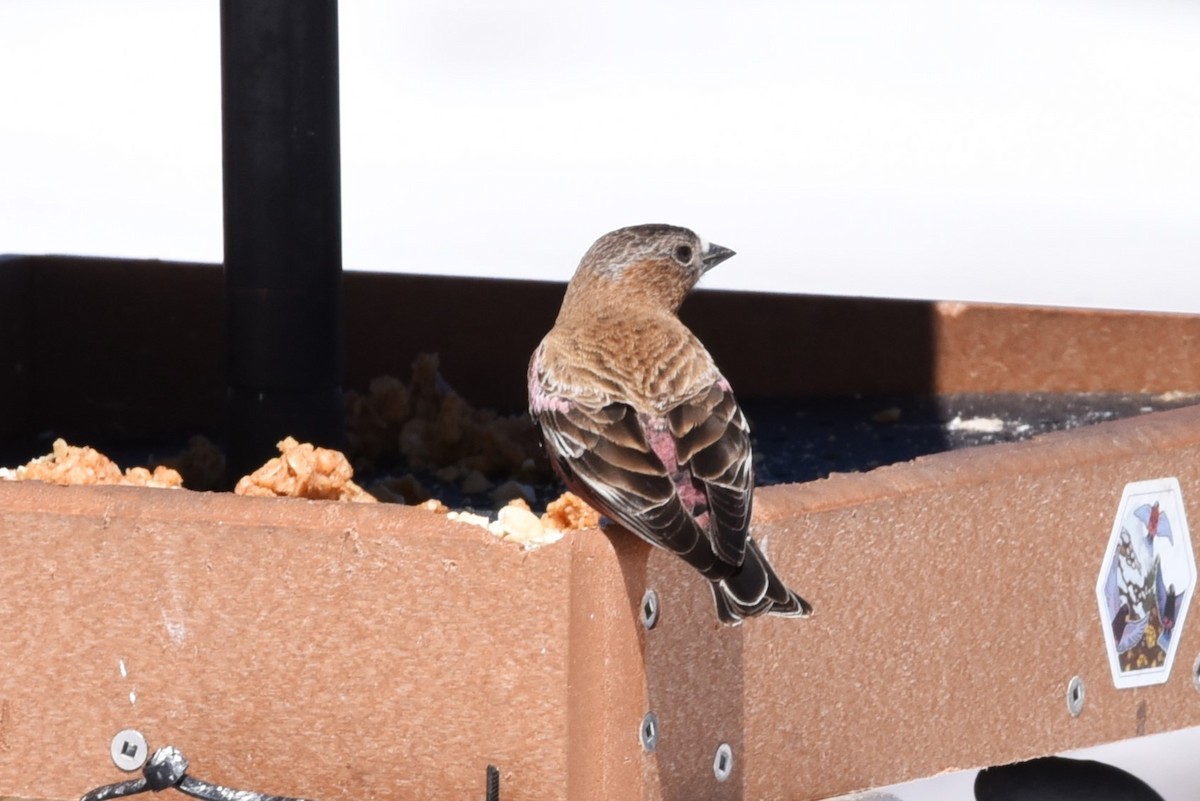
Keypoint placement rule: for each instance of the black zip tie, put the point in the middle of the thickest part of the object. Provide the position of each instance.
(493, 783)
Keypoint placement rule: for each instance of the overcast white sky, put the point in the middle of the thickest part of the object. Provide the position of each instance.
(1044, 152)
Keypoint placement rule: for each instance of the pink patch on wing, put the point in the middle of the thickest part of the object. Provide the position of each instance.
(539, 399)
(659, 438)
(691, 492)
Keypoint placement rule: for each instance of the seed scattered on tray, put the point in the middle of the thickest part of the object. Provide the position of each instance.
(977, 425)
(427, 426)
(434, 505)
(70, 465)
(202, 464)
(517, 523)
(303, 470)
(405, 489)
(569, 512)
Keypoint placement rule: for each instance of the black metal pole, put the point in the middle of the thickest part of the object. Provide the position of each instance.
(283, 249)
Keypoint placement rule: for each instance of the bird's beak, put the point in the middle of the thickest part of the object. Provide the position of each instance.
(712, 255)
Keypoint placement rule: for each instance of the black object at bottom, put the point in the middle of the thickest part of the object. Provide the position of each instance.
(1061, 779)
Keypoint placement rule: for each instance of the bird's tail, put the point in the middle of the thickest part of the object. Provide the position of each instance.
(756, 590)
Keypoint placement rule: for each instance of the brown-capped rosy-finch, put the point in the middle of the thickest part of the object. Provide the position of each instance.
(638, 421)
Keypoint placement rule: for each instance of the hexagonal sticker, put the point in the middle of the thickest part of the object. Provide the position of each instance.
(1146, 582)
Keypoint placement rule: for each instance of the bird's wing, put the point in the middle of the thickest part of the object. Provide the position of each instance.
(712, 441)
(681, 480)
(1164, 528)
(1132, 634)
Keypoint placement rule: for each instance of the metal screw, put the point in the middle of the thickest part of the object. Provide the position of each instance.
(723, 762)
(1075, 696)
(649, 609)
(649, 732)
(129, 750)
(1196, 673)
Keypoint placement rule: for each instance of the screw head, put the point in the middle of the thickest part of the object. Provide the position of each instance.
(1196, 673)
(723, 762)
(649, 732)
(1076, 695)
(649, 609)
(129, 750)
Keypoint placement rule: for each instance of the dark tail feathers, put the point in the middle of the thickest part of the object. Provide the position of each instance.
(756, 590)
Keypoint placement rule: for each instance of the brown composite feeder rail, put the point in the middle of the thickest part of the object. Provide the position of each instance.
(348, 651)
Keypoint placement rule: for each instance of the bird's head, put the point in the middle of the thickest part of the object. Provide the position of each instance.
(658, 264)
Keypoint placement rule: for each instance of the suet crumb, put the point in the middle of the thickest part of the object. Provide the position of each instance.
(70, 465)
(303, 470)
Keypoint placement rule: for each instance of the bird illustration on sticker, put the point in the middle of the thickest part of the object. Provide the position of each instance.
(1141, 590)
(639, 422)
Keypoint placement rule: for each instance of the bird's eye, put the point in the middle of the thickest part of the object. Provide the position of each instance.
(683, 254)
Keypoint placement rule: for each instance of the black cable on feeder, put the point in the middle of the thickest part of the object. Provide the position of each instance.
(168, 768)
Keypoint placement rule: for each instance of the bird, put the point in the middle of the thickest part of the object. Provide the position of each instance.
(1158, 526)
(638, 421)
